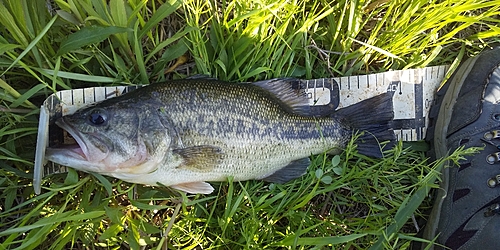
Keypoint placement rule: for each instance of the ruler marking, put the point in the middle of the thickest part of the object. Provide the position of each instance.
(408, 123)
(444, 70)
(60, 99)
(362, 82)
(419, 104)
(314, 92)
(383, 78)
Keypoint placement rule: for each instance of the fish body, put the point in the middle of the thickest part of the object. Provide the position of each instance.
(184, 133)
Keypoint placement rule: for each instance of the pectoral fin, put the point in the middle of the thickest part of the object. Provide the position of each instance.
(291, 171)
(195, 187)
(200, 158)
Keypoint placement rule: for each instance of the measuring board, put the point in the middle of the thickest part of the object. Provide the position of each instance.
(413, 92)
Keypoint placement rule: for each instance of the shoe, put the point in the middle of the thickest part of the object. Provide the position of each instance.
(466, 213)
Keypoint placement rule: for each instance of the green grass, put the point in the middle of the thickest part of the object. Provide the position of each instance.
(348, 201)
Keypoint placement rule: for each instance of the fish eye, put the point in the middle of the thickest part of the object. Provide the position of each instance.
(98, 117)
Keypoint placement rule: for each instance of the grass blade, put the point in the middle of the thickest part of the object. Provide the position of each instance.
(32, 44)
(24, 97)
(14, 92)
(160, 14)
(87, 36)
(67, 216)
(80, 77)
(308, 241)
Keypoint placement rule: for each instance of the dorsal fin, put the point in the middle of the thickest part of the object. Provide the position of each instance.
(288, 91)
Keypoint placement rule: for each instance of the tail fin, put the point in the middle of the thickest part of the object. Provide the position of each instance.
(373, 117)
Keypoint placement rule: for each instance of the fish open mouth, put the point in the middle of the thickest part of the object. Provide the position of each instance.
(83, 149)
(78, 148)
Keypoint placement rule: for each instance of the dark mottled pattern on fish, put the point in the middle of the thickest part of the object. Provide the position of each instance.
(251, 116)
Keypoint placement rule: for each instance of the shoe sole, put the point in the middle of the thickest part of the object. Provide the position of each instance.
(440, 145)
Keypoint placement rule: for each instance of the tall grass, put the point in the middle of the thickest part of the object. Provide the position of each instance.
(348, 201)
(258, 39)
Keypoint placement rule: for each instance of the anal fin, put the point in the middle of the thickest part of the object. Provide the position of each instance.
(291, 171)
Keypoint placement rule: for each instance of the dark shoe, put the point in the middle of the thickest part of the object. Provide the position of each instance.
(466, 213)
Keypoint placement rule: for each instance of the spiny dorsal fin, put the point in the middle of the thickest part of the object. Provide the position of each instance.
(200, 158)
(294, 99)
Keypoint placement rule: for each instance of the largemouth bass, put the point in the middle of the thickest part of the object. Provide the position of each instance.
(184, 133)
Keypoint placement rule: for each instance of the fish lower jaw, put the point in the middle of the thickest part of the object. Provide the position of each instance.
(73, 156)
(77, 165)
(76, 149)
(65, 155)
